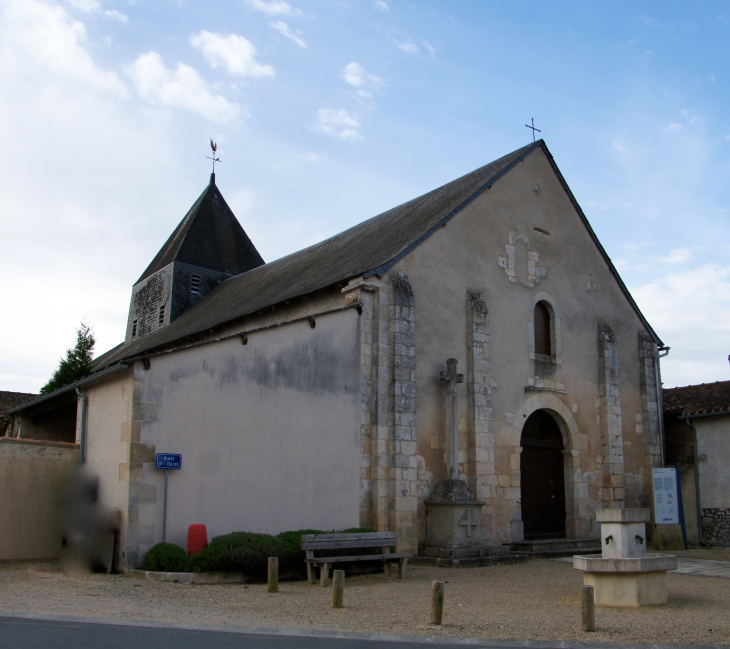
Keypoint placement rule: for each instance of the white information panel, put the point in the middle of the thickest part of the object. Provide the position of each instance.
(666, 507)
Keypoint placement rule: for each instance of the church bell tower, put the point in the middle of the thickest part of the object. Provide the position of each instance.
(207, 247)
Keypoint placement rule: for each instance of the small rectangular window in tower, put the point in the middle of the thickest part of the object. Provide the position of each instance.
(162, 315)
(134, 329)
(195, 284)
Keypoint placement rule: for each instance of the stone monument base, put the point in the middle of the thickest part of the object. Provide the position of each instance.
(454, 531)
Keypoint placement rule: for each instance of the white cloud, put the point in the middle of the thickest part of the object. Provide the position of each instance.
(693, 118)
(678, 256)
(181, 88)
(381, 5)
(408, 46)
(675, 127)
(84, 5)
(690, 311)
(87, 148)
(116, 15)
(47, 38)
(337, 123)
(274, 7)
(284, 29)
(235, 53)
(364, 82)
(93, 6)
(429, 47)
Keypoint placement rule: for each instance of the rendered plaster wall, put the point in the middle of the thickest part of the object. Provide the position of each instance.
(109, 438)
(493, 249)
(32, 475)
(269, 432)
(713, 441)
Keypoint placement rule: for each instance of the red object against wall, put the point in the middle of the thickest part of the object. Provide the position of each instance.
(197, 539)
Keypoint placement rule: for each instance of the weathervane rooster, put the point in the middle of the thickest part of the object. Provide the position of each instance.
(214, 148)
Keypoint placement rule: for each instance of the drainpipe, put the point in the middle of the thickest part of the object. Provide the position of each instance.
(82, 433)
(701, 534)
(659, 401)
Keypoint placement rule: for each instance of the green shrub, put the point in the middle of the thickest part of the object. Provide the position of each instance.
(165, 557)
(248, 553)
(241, 552)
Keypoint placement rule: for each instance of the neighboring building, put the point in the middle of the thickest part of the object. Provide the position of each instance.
(305, 393)
(8, 401)
(697, 431)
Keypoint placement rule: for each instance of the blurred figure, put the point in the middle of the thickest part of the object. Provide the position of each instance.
(88, 528)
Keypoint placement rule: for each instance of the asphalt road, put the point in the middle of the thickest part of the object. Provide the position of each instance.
(30, 631)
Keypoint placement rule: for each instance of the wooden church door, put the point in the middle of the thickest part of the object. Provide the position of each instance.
(542, 478)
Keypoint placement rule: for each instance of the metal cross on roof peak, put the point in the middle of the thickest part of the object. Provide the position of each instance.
(532, 120)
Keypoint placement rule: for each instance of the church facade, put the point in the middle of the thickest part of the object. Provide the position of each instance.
(307, 392)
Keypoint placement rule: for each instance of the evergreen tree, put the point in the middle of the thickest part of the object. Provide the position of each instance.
(77, 363)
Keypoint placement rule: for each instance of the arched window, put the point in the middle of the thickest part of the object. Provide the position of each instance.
(543, 344)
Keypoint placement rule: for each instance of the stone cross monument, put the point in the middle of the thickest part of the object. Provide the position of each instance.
(454, 531)
(452, 432)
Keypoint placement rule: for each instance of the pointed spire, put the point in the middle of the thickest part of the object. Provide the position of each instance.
(209, 236)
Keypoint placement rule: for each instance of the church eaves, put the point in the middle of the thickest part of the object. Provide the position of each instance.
(209, 236)
(369, 248)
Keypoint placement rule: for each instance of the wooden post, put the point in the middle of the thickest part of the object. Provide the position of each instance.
(588, 609)
(273, 574)
(338, 588)
(324, 574)
(437, 601)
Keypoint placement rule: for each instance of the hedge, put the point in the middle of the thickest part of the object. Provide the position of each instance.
(249, 553)
(243, 552)
(166, 557)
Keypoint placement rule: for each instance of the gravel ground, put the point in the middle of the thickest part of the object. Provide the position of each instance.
(538, 600)
(715, 554)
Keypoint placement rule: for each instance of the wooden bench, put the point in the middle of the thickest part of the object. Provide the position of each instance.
(384, 540)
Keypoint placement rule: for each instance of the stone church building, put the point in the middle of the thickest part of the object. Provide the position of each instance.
(307, 392)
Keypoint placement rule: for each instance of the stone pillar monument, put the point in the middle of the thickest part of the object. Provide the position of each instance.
(454, 531)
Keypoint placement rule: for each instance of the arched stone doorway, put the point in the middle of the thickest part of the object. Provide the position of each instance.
(542, 477)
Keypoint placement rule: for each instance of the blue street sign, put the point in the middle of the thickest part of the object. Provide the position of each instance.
(168, 461)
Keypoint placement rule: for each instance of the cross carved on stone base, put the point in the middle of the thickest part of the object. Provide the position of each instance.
(469, 519)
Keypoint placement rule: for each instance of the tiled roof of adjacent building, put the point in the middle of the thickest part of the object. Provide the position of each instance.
(704, 398)
(369, 248)
(209, 236)
(9, 400)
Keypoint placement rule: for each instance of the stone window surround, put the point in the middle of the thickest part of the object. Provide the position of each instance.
(509, 261)
(555, 338)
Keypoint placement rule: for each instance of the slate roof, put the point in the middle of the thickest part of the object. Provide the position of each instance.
(369, 248)
(702, 399)
(9, 400)
(209, 236)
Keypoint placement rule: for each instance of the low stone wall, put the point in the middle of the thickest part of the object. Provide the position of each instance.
(716, 526)
(31, 476)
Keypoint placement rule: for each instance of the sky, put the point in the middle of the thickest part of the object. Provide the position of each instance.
(329, 112)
